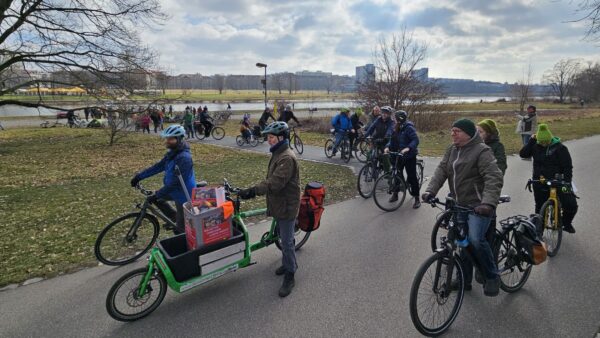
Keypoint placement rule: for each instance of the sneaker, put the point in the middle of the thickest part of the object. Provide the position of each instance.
(280, 271)
(417, 203)
(454, 286)
(569, 228)
(394, 197)
(287, 286)
(491, 288)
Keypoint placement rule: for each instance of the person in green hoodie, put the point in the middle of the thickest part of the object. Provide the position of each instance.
(551, 157)
(491, 137)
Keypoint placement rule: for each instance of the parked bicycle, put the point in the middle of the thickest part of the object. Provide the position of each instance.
(221, 117)
(343, 147)
(216, 132)
(139, 292)
(296, 141)
(435, 300)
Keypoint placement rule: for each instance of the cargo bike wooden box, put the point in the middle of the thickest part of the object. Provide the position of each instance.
(139, 292)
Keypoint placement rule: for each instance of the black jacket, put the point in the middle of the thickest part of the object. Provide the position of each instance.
(549, 161)
(264, 118)
(355, 120)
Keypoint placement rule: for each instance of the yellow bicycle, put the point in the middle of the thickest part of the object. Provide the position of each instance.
(551, 212)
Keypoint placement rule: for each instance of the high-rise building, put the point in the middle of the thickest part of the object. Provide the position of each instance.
(365, 74)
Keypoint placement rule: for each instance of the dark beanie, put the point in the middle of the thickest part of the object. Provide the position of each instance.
(465, 125)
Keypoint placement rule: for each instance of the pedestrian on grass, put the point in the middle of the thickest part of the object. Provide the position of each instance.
(145, 123)
(527, 124)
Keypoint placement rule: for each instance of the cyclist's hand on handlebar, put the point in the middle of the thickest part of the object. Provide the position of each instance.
(152, 198)
(135, 181)
(386, 151)
(484, 210)
(427, 197)
(247, 194)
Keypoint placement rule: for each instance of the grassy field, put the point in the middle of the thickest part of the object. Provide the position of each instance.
(60, 187)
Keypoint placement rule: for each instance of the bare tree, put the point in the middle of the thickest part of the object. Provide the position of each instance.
(220, 83)
(520, 91)
(91, 43)
(561, 77)
(590, 10)
(587, 83)
(277, 82)
(290, 77)
(396, 59)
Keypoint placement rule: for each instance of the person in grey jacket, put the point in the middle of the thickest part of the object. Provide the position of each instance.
(475, 182)
(527, 124)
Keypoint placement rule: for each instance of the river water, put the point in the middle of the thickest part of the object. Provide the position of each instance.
(11, 110)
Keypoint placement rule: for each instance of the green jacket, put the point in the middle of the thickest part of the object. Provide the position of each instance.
(282, 185)
(499, 153)
(472, 173)
(188, 118)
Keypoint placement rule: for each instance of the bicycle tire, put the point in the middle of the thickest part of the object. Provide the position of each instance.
(366, 175)
(553, 245)
(116, 313)
(418, 322)
(98, 251)
(253, 142)
(345, 151)
(239, 140)
(298, 244)
(361, 151)
(298, 145)
(382, 184)
(508, 260)
(441, 223)
(199, 133)
(218, 133)
(329, 148)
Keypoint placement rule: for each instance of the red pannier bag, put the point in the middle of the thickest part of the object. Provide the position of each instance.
(311, 207)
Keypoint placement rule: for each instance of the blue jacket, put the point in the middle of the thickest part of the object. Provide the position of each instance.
(378, 126)
(406, 137)
(341, 122)
(172, 189)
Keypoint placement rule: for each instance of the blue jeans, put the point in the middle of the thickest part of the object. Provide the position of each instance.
(480, 247)
(339, 137)
(287, 229)
(526, 138)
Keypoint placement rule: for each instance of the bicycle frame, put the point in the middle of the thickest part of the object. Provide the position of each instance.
(553, 196)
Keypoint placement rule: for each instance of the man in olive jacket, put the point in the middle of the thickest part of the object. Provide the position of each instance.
(282, 188)
(475, 182)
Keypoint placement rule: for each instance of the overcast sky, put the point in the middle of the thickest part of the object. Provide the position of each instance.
(484, 40)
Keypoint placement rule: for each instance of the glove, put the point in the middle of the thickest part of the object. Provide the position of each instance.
(484, 210)
(247, 194)
(134, 181)
(427, 196)
(152, 198)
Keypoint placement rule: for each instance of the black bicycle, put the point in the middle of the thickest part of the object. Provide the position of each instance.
(435, 300)
(370, 172)
(389, 192)
(343, 147)
(216, 132)
(296, 141)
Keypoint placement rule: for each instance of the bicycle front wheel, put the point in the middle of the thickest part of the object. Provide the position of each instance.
(345, 151)
(513, 271)
(389, 192)
(366, 180)
(434, 305)
(440, 229)
(300, 238)
(329, 148)
(218, 133)
(361, 152)
(253, 141)
(124, 302)
(298, 145)
(126, 239)
(552, 227)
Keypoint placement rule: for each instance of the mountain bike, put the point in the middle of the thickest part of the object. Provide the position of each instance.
(253, 141)
(370, 172)
(389, 192)
(139, 292)
(551, 212)
(344, 146)
(296, 141)
(216, 132)
(434, 301)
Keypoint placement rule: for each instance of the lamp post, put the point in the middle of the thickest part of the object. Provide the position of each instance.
(264, 81)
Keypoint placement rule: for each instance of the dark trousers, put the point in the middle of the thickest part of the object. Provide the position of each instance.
(207, 128)
(568, 202)
(411, 175)
(352, 137)
(175, 215)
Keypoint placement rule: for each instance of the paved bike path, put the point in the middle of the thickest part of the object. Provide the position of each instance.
(353, 280)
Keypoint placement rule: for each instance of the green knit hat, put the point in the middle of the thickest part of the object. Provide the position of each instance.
(465, 125)
(489, 126)
(543, 135)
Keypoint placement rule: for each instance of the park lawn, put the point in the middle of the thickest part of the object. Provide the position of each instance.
(59, 187)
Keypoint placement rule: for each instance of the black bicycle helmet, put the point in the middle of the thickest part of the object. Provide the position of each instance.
(401, 116)
(278, 128)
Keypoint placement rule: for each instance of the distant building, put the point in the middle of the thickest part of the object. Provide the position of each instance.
(318, 80)
(365, 74)
(421, 74)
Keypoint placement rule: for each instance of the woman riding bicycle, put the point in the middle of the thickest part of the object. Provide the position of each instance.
(178, 155)
(405, 141)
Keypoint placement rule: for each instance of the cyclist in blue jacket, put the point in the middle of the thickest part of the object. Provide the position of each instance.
(405, 141)
(179, 155)
(342, 126)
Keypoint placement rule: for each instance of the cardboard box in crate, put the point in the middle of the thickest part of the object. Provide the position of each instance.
(209, 226)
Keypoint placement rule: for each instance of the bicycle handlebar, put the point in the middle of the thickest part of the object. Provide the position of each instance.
(144, 191)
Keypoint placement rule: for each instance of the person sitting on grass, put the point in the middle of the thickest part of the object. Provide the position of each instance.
(178, 155)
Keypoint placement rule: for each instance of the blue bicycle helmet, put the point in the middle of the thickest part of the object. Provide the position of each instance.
(173, 131)
(276, 128)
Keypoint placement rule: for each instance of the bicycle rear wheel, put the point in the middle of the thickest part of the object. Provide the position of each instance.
(345, 151)
(119, 243)
(239, 140)
(329, 148)
(367, 177)
(199, 133)
(385, 187)
(440, 229)
(433, 304)
(552, 227)
(298, 144)
(300, 238)
(513, 271)
(123, 301)
(218, 133)
(253, 141)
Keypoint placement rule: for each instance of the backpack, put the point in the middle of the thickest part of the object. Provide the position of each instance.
(311, 207)
(531, 247)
